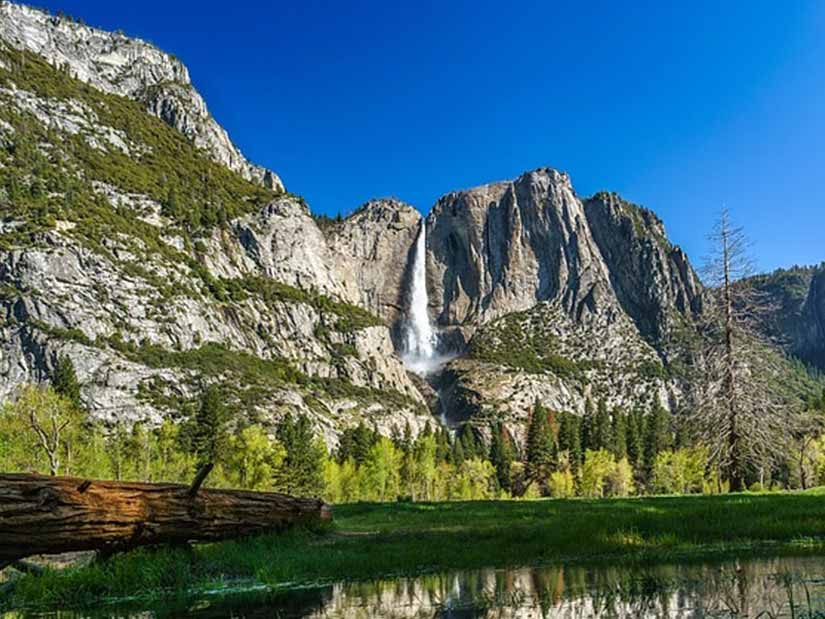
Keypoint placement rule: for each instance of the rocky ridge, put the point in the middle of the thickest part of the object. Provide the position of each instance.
(155, 284)
(129, 67)
(797, 319)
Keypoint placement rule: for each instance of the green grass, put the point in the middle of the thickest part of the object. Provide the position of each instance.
(380, 540)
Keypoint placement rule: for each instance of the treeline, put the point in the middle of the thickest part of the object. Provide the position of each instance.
(564, 455)
(46, 430)
(602, 453)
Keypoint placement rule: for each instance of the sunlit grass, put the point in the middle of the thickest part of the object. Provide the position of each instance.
(380, 540)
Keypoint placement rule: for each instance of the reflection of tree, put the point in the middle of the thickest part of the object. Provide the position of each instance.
(766, 589)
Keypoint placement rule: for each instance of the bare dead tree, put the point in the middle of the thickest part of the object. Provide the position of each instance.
(742, 415)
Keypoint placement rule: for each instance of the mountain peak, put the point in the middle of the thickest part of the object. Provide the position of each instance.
(129, 67)
(390, 210)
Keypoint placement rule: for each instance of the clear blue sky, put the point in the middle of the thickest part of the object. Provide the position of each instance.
(679, 106)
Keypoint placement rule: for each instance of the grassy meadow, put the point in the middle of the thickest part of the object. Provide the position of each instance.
(370, 540)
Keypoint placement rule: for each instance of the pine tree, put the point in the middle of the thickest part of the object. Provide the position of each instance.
(635, 448)
(469, 444)
(570, 439)
(657, 436)
(540, 444)
(737, 410)
(209, 426)
(502, 455)
(588, 419)
(457, 456)
(619, 447)
(362, 441)
(64, 380)
(601, 429)
(302, 472)
(346, 446)
(444, 448)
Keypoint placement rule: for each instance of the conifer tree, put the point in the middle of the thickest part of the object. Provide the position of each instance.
(635, 448)
(588, 419)
(601, 429)
(470, 444)
(570, 439)
(657, 436)
(302, 472)
(619, 447)
(540, 444)
(444, 448)
(502, 455)
(64, 380)
(738, 412)
(457, 456)
(209, 426)
(362, 441)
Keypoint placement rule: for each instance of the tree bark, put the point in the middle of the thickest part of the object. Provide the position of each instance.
(48, 515)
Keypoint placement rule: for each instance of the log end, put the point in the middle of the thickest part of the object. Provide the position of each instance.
(325, 513)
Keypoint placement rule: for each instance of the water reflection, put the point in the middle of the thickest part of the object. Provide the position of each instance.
(764, 588)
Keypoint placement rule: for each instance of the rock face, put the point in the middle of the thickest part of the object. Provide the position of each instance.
(371, 252)
(117, 64)
(543, 354)
(154, 295)
(282, 242)
(62, 298)
(652, 279)
(561, 299)
(797, 319)
(503, 247)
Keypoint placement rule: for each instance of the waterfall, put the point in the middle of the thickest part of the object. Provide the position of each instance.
(419, 337)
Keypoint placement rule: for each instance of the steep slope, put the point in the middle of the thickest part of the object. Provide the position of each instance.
(797, 319)
(371, 252)
(560, 299)
(543, 354)
(652, 279)
(129, 67)
(158, 270)
(503, 247)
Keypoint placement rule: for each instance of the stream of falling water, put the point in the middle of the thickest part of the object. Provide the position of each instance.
(420, 341)
(420, 344)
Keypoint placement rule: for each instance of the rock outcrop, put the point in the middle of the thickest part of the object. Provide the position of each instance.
(371, 252)
(135, 347)
(283, 242)
(652, 279)
(796, 320)
(130, 67)
(505, 246)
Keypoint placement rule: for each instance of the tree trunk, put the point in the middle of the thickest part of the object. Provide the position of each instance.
(49, 515)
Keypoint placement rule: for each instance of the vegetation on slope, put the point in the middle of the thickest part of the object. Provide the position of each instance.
(516, 341)
(195, 192)
(48, 175)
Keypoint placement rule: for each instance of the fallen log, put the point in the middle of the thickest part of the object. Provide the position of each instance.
(50, 515)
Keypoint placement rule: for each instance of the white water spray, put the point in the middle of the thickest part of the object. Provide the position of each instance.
(419, 338)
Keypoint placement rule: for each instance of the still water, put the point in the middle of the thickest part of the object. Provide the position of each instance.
(757, 588)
